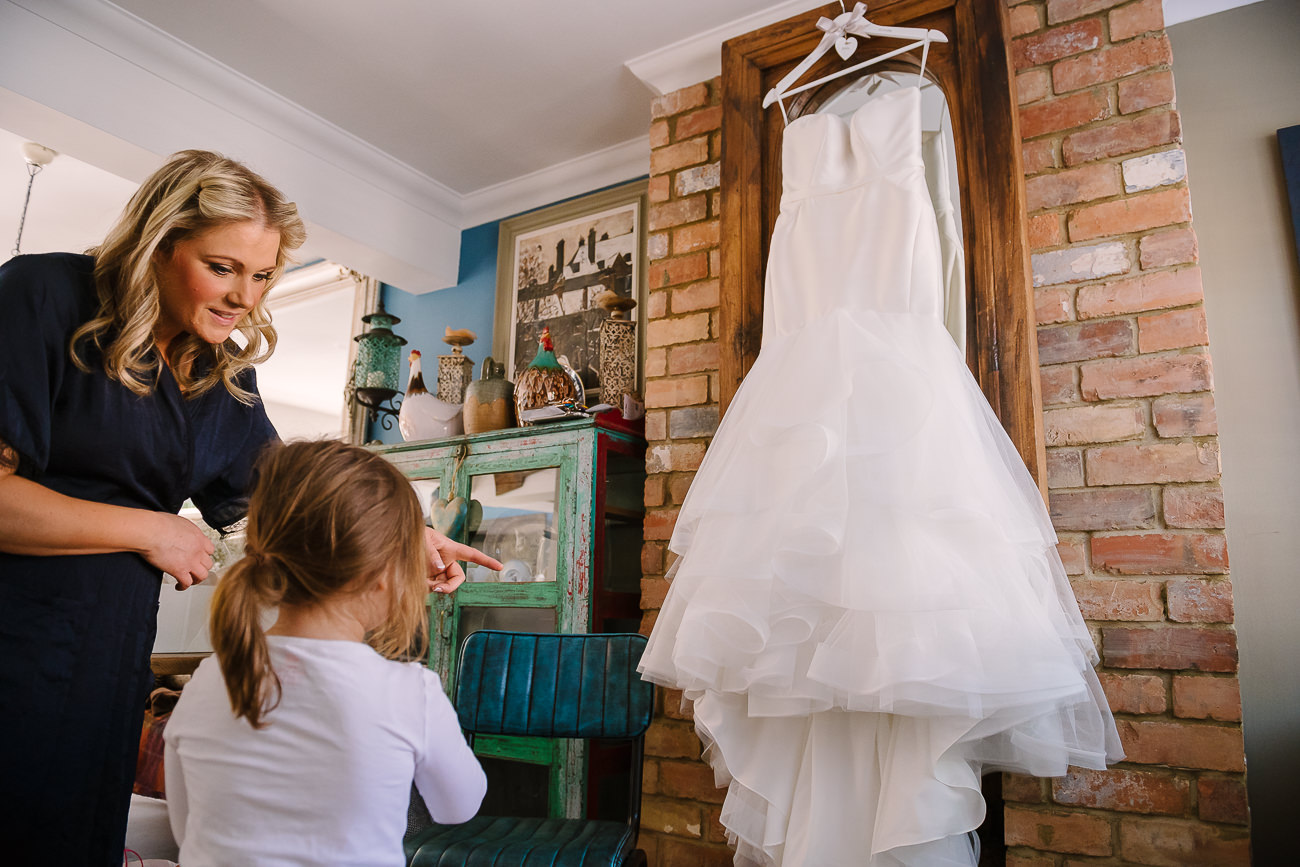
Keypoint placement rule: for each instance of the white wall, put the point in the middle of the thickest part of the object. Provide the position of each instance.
(1236, 75)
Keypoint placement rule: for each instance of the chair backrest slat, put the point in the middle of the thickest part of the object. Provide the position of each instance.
(566, 686)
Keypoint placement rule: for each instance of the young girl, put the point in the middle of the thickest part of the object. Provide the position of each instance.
(298, 744)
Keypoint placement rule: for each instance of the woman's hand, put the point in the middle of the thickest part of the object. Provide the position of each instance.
(445, 574)
(36, 521)
(180, 549)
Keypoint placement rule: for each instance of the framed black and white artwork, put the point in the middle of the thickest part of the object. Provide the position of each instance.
(551, 266)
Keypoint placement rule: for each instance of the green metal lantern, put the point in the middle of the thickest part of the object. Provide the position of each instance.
(375, 373)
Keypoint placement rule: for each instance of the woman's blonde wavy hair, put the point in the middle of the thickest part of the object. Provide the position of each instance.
(325, 519)
(193, 191)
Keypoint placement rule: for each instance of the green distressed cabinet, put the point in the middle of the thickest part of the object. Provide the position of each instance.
(561, 505)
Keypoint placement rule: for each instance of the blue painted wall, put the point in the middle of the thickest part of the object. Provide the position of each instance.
(471, 304)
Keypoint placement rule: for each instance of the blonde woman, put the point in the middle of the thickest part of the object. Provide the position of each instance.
(123, 392)
(299, 744)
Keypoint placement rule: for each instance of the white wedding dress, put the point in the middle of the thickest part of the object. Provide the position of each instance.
(868, 610)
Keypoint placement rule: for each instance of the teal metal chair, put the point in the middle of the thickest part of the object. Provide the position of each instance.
(554, 686)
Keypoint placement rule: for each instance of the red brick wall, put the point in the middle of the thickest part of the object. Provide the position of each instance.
(1133, 460)
(679, 820)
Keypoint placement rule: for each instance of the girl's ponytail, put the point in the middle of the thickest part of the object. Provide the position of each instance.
(239, 640)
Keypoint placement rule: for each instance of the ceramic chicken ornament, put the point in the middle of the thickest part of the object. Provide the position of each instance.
(423, 416)
(545, 382)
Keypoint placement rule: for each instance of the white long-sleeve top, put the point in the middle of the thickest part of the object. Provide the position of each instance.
(328, 780)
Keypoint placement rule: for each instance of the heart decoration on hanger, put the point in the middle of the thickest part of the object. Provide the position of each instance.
(845, 46)
(452, 517)
(448, 516)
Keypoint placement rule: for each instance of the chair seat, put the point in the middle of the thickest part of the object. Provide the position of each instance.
(488, 841)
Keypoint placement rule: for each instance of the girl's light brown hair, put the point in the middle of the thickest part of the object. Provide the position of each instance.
(192, 192)
(325, 519)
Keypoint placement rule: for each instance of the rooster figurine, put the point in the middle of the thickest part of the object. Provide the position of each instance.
(545, 382)
(423, 416)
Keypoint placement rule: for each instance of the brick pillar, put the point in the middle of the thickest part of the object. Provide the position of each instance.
(1133, 459)
(679, 820)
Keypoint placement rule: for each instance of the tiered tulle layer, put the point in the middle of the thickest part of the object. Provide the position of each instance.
(868, 610)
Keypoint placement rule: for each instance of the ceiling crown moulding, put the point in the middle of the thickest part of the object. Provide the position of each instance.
(141, 43)
(593, 171)
(699, 58)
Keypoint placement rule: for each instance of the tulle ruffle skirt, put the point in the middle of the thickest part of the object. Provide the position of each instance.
(867, 609)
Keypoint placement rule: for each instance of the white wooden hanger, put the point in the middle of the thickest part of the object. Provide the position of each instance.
(836, 33)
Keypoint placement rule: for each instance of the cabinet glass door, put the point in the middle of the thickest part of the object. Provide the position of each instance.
(520, 508)
(518, 512)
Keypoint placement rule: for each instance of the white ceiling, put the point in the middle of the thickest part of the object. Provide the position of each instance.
(470, 93)
(393, 123)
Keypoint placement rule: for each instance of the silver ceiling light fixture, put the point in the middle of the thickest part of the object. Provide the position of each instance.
(38, 157)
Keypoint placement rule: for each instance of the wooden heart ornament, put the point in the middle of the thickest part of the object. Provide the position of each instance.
(455, 516)
(845, 46)
(448, 516)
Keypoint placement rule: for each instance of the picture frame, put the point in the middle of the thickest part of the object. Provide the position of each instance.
(1288, 142)
(546, 278)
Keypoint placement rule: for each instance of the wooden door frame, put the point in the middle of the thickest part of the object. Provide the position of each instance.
(974, 69)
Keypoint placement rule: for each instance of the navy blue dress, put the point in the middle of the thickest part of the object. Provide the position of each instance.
(76, 632)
